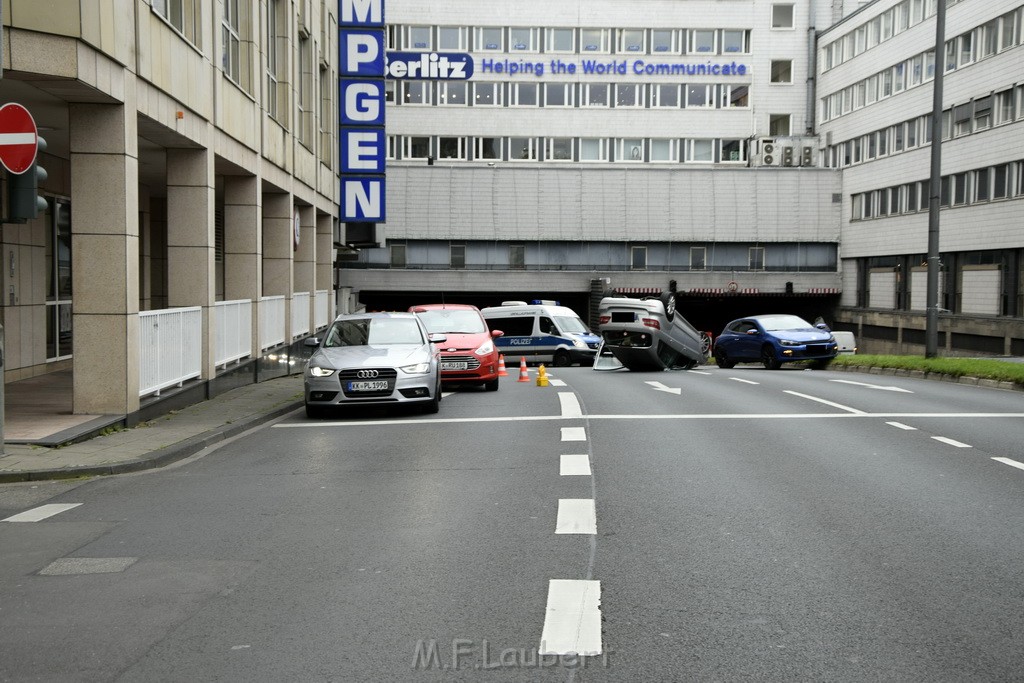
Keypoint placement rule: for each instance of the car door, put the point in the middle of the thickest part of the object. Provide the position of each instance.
(749, 338)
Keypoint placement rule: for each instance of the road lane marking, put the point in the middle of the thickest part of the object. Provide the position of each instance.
(42, 512)
(574, 434)
(1011, 463)
(951, 442)
(872, 386)
(745, 381)
(570, 405)
(698, 372)
(900, 425)
(576, 516)
(556, 382)
(661, 387)
(572, 619)
(577, 464)
(828, 403)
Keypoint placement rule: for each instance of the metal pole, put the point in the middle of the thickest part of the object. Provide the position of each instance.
(931, 336)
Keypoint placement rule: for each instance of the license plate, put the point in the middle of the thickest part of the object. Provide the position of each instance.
(368, 386)
(455, 365)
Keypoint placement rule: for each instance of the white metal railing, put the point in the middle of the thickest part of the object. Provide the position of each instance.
(232, 324)
(170, 348)
(320, 313)
(271, 321)
(300, 314)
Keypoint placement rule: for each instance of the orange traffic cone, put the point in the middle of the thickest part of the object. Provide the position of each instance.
(524, 375)
(502, 372)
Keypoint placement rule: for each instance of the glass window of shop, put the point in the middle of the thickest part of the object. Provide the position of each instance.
(58, 281)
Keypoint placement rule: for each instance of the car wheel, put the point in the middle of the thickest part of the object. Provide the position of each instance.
(561, 359)
(768, 358)
(315, 412)
(723, 360)
(669, 300)
(491, 385)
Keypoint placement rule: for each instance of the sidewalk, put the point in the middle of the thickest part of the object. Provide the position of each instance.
(159, 442)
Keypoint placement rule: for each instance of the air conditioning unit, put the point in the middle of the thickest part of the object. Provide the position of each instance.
(807, 155)
(769, 152)
(787, 156)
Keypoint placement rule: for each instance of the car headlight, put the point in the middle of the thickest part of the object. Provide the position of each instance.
(579, 343)
(485, 348)
(317, 371)
(831, 339)
(417, 369)
(789, 342)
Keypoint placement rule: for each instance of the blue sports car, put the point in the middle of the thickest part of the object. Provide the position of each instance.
(774, 340)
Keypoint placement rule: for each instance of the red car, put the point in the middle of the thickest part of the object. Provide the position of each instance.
(469, 356)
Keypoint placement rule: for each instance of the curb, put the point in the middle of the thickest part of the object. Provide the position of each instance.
(154, 459)
(934, 376)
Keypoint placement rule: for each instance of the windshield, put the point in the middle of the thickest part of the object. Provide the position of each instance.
(452, 321)
(785, 322)
(373, 332)
(571, 325)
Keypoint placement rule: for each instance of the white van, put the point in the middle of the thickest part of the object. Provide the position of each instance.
(542, 332)
(846, 341)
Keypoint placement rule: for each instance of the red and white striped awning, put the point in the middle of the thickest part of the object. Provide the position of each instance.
(823, 290)
(639, 291)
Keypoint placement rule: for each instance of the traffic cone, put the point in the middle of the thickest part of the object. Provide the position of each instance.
(524, 374)
(502, 372)
(542, 377)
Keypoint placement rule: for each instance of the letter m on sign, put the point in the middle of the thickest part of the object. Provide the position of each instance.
(362, 13)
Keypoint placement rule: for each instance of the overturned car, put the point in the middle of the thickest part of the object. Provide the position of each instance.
(648, 333)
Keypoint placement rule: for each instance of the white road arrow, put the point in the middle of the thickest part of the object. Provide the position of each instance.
(872, 386)
(661, 387)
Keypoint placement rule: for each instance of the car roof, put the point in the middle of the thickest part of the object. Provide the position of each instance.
(439, 307)
(376, 314)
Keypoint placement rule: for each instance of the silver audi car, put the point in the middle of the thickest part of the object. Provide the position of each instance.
(373, 359)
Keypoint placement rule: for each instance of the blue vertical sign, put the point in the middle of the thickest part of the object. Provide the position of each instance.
(361, 101)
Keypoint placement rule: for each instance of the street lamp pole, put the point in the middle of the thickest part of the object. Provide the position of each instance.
(931, 337)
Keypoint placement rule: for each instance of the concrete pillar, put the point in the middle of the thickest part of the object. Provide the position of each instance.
(105, 255)
(325, 259)
(278, 241)
(305, 257)
(243, 246)
(190, 240)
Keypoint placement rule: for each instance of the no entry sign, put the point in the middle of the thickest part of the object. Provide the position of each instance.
(18, 138)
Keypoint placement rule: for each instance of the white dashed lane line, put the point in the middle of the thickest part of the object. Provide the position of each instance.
(745, 381)
(951, 442)
(574, 465)
(828, 403)
(900, 425)
(574, 434)
(1011, 463)
(572, 619)
(42, 512)
(556, 382)
(576, 516)
(570, 404)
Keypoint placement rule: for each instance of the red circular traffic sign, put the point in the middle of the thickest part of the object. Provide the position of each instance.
(18, 138)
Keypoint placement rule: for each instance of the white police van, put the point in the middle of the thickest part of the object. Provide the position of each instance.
(542, 332)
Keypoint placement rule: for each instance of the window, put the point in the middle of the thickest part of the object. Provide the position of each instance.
(1000, 176)
(452, 38)
(327, 115)
(486, 94)
(782, 71)
(638, 258)
(398, 258)
(735, 96)
(1008, 34)
(782, 16)
(989, 38)
(733, 151)
(59, 330)
(755, 260)
(522, 149)
(699, 96)
(631, 40)
(593, 149)
(628, 95)
(595, 95)
(702, 40)
(962, 116)
(418, 38)
(559, 95)
(389, 91)
(857, 205)
(981, 193)
(487, 148)
(966, 49)
(451, 148)
(664, 150)
(665, 41)
(560, 40)
(457, 256)
(959, 189)
(523, 39)
(274, 93)
(185, 17)
(558, 149)
(629, 149)
(231, 60)
(594, 40)
(735, 41)
(416, 92)
(525, 94)
(452, 93)
(517, 257)
(894, 201)
(665, 95)
(415, 147)
(778, 124)
(489, 39)
(1004, 106)
(983, 113)
(912, 195)
(700, 151)
(698, 258)
(304, 96)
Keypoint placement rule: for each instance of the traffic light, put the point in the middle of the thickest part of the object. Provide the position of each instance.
(23, 198)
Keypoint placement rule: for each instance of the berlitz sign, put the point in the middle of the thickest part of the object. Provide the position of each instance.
(361, 97)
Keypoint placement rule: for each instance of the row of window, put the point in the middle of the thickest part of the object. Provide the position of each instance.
(533, 94)
(975, 116)
(886, 25)
(980, 186)
(565, 149)
(979, 43)
(571, 40)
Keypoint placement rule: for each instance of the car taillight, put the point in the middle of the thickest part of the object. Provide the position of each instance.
(652, 323)
(604, 320)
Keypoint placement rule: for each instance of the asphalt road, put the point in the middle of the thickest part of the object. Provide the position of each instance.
(681, 526)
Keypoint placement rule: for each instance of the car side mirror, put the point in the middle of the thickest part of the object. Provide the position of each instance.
(752, 332)
(496, 333)
(438, 338)
(823, 327)
(311, 341)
